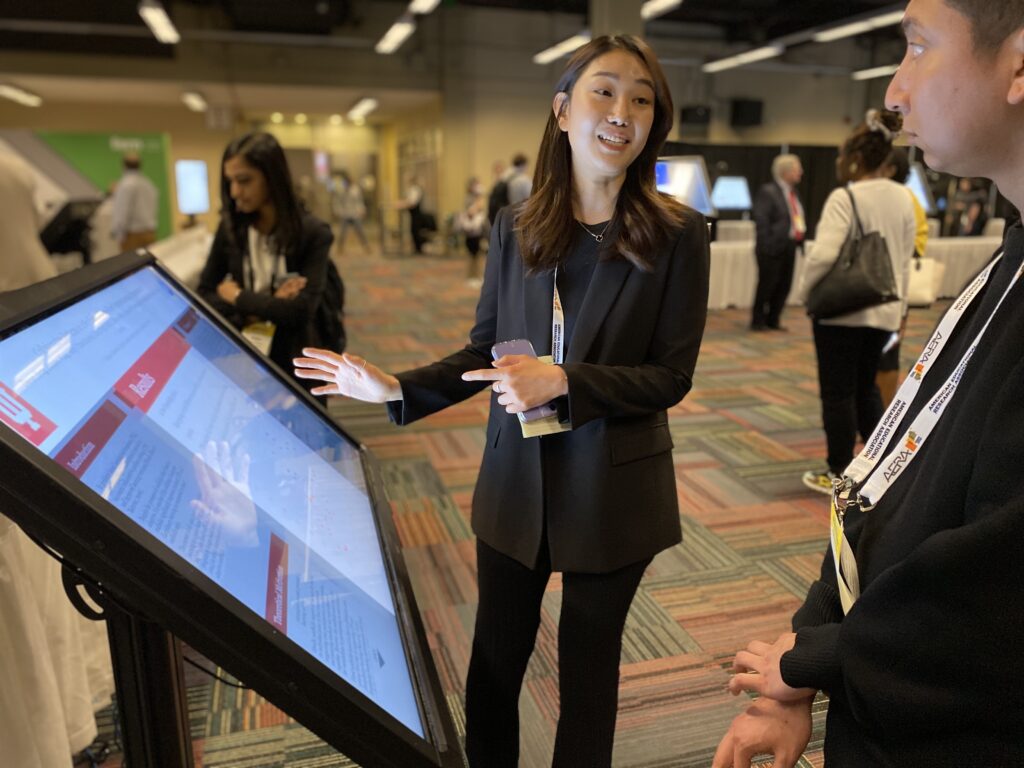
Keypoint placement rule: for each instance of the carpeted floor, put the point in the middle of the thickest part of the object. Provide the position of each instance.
(753, 535)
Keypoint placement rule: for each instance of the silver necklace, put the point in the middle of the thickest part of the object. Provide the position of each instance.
(600, 237)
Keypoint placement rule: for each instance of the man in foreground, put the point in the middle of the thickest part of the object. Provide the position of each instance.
(916, 636)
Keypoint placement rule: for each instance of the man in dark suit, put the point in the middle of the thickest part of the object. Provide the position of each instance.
(779, 217)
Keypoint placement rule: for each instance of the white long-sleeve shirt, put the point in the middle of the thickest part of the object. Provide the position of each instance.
(883, 206)
(135, 202)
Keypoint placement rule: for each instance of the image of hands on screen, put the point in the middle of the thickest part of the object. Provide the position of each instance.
(135, 393)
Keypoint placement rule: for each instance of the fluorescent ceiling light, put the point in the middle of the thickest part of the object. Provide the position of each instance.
(561, 49)
(194, 101)
(758, 54)
(654, 8)
(20, 95)
(869, 74)
(362, 108)
(159, 23)
(423, 7)
(859, 27)
(397, 35)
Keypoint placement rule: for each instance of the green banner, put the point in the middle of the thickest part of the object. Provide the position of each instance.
(97, 156)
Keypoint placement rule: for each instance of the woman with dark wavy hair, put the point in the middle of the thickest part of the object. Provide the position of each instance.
(267, 268)
(610, 278)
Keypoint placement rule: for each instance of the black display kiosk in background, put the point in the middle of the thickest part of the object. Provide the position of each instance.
(271, 550)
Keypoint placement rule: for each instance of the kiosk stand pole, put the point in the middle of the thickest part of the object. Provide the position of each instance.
(150, 683)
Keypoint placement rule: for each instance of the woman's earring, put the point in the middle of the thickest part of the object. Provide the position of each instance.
(853, 168)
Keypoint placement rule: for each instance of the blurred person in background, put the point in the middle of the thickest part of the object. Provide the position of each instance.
(268, 266)
(848, 347)
(133, 224)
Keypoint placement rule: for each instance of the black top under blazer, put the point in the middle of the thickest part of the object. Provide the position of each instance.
(772, 221)
(294, 318)
(607, 489)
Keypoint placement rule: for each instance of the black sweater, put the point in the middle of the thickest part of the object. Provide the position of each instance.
(926, 668)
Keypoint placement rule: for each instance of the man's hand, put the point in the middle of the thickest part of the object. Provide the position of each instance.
(779, 729)
(758, 670)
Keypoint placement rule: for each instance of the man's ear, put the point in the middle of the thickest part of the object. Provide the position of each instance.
(560, 105)
(1016, 93)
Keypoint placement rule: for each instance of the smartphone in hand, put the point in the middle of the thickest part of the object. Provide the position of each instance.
(523, 347)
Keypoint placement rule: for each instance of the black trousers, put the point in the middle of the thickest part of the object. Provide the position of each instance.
(774, 279)
(850, 403)
(416, 224)
(594, 608)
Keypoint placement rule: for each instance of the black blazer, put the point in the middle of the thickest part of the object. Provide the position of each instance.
(607, 488)
(772, 219)
(294, 318)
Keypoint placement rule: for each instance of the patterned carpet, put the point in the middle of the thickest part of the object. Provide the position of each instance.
(753, 535)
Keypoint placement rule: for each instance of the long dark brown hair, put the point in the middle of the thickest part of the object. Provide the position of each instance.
(261, 151)
(644, 218)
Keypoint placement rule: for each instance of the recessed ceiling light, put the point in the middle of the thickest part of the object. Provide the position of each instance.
(300, 118)
(277, 117)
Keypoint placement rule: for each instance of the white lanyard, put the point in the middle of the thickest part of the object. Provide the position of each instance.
(557, 326)
(907, 447)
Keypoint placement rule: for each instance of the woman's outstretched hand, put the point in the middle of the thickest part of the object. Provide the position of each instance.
(348, 375)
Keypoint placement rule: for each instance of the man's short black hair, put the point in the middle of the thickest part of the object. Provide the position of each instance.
(992, 21)
(520, 160)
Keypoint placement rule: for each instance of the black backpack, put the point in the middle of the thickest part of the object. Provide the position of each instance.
(497, 200)
(330, 314)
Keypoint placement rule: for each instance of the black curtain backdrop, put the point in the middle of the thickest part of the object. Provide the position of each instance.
(755, 163)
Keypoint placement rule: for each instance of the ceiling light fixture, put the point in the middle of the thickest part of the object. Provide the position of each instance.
(159, 23)
(423, 7)
(740, 59)
(335, 119)
(277, 118)
(194, 101)
(561, 49)
(873, 72)
(362, 108)
(654, 8)
(300, 118)
(20, 95)
(398, 34)
(859, 26)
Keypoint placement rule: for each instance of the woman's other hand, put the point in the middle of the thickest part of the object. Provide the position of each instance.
(229, 290)
(290, 288)
(348, 375)
(522, 382)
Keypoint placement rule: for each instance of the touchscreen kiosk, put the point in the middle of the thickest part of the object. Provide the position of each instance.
(148, 443)
(686, 179)
(731, 193)
(917, 182)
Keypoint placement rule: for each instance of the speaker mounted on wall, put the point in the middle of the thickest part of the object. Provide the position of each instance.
(694, 120)
(745, 113)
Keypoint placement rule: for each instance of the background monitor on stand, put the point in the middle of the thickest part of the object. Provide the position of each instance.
(193, 188)
(917, 182)
(686, 179)
(731, 193)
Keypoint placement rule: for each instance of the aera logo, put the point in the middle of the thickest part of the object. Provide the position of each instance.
(23, 418)
(918, 370)
(903, 456)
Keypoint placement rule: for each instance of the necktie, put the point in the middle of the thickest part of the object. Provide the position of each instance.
(796, 217)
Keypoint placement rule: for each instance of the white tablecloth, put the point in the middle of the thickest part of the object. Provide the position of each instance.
(964, 257)
(734, 275)
(184, 254)
(735, 231)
